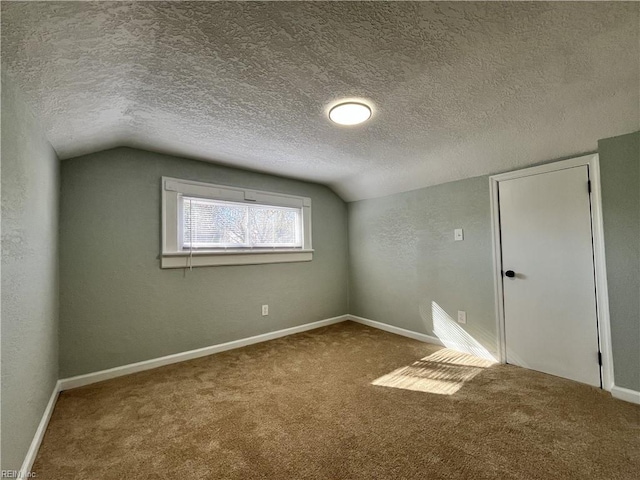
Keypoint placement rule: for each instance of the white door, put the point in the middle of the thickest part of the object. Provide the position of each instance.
(548, 274)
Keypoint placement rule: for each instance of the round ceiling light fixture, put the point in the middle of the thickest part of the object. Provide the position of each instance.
(350, 113)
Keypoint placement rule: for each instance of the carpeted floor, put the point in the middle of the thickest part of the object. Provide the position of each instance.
(304, 407)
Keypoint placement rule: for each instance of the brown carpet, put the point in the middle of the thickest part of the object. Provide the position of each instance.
(304, 407)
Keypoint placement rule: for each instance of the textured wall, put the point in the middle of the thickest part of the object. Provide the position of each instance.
(452, 83)
(117, 306)
(406, 270)
(620, 171)
(29, 275)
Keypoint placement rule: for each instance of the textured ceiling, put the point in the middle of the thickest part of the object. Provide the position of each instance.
(458, 89)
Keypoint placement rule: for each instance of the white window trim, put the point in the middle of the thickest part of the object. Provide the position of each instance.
(173, 256)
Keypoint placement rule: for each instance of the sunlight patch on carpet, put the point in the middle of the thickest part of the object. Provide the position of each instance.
(443, 373)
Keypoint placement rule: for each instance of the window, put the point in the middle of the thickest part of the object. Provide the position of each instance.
(216, 224)
(206, 224)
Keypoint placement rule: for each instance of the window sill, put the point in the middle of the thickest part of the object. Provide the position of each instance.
(230, 257)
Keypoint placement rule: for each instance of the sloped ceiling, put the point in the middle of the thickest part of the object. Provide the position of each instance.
(458, 89)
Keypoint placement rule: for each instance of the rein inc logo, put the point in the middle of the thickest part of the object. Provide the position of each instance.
(17, 474)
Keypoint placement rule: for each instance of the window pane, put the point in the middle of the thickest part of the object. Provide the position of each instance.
(220, 224)
(274, 226)
(210, 224)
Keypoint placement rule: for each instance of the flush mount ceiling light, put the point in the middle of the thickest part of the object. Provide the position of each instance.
(350, 113)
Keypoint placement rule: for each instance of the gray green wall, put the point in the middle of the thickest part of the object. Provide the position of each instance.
(29, 275)
(117, 306)
(403, 259)
(620, 180)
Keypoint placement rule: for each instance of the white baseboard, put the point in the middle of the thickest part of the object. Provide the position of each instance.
(39, 435)
(423, 337)
(89, 378)
(625, 394)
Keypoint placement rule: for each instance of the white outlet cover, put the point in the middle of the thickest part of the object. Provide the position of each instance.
(462, 316)
(458, 234)
(265, 310)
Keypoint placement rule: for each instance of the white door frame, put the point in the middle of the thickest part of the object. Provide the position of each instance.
(602, 295)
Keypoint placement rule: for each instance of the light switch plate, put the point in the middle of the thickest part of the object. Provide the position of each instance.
(458, 235)
(462, 316)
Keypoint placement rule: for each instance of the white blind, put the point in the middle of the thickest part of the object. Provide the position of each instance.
(218, 224)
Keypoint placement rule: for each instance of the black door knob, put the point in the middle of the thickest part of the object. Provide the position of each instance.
(510, 273)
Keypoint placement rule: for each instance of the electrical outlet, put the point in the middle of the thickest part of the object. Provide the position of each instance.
(458, 235)
(462, 316)
(265, 310)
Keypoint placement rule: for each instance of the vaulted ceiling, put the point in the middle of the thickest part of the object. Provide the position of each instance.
(459, 89)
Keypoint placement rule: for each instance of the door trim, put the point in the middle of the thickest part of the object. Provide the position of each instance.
(602, 294)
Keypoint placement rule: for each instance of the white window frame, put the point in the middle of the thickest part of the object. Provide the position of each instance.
(174, 256)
